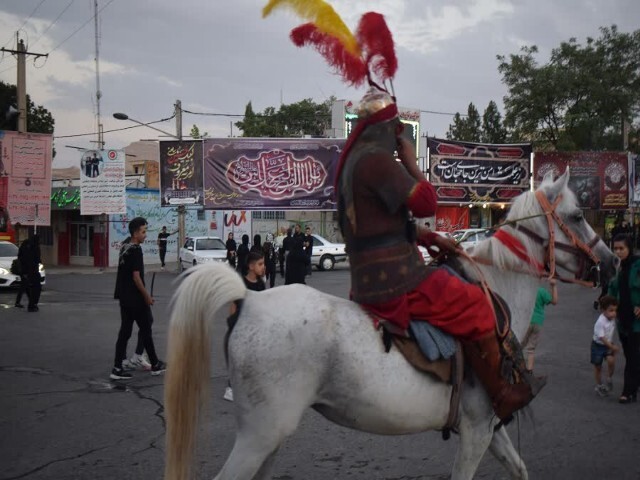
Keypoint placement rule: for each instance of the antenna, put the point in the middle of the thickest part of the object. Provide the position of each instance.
(98, 92)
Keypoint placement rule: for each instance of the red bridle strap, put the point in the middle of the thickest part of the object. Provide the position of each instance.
(516, 247)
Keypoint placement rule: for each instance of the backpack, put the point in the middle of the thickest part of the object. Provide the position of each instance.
(16, 267)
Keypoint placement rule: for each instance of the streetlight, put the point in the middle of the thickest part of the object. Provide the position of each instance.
(182, 210)
(124, 116)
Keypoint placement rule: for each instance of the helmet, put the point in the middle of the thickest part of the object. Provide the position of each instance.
(374, 101)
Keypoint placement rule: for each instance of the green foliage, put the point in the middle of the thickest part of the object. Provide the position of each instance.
(294, 120)
(579, 98)
(39, 119)
(195, 133)
(469, 128)
(492, 129)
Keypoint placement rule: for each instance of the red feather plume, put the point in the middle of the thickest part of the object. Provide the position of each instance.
(377, 46)
(352, 68)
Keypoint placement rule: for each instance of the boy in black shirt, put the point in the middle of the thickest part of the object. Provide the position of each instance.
(253, 279)
(135, 301)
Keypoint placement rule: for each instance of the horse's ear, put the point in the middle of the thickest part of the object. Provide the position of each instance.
(558, 186)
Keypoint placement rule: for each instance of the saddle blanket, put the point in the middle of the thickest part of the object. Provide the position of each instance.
(433, 342)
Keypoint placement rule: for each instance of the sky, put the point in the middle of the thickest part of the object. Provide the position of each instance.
(217, 55)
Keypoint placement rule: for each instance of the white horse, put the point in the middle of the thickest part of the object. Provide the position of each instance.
(323, 352)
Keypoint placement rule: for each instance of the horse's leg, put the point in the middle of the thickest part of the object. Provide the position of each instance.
(476, 432)
(502, 448)
(261, 431)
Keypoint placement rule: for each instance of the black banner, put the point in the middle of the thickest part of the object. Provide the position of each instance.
(474, 172)
(181, 173)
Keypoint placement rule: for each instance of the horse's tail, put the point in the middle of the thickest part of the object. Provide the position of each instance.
(201, 296)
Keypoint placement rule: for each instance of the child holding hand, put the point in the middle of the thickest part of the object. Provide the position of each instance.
(602, 346)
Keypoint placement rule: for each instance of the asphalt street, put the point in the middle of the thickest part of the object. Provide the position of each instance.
(61, 417)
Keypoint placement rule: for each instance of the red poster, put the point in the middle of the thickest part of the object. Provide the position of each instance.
(450, 219)
(599, 179)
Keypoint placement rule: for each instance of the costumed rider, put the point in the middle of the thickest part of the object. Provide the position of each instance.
(377, 196)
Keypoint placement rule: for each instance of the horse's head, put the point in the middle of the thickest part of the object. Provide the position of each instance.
(571, 242)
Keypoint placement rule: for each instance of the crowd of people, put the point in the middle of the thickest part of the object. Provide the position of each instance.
(293, 253)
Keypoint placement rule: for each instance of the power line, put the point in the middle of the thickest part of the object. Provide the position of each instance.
(117, 129)
(54, 22)
(26, 20)
(80, 27)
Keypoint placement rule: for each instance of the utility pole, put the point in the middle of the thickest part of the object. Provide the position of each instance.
(21, 54)
(98, 92)
(182, 210)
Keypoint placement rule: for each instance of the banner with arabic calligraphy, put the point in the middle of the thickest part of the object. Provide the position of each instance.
(474, 172)
(271, 174)
(102, 182)
(26, 160)
(181, 173)
(600, 180)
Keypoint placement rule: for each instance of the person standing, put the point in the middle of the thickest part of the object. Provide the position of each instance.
(602, 346)
(269, 253)
(625, 288)
(308, 247)
(257, 244)
(297, 262)
(162, 244)
(530, 342)
(29, 258)
(284, 251)
(231, 250)
(243, 253)
(135, 302)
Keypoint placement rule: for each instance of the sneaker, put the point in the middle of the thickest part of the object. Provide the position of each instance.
(140, 361)
(228, 394)
(127, 366)
(601, 390)
(159, 368)
(120, 374)
(609, 385)
(19, 305)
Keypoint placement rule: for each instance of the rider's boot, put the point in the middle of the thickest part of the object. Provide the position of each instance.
(520, 365)
(486, 361)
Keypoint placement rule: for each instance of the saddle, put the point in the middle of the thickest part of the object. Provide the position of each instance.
(432, 351)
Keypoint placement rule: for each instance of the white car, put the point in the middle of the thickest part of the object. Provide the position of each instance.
(8, 253)
(470, 237)
(199, 250)
(326, 254)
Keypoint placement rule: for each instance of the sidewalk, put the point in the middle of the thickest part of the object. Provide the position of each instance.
(171, 267)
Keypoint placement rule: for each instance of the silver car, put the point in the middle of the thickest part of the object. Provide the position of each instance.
(199, 250)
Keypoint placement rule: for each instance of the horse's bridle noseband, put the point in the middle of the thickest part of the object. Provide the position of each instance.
(577, 245)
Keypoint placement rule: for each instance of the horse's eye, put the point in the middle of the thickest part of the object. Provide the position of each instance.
(578, 217)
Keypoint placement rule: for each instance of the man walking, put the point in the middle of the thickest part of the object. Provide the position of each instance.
(135, 301)
(162, 244)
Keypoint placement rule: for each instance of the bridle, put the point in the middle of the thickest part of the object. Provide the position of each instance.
(577, 246)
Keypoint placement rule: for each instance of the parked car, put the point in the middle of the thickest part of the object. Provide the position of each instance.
(470, 236)
(8, 253)
(198, 250)
(326, 254)
(425, 253)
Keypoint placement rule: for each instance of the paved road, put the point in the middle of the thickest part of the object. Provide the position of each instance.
(61, 418)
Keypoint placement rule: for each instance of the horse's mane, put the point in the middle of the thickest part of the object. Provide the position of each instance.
(491, 249)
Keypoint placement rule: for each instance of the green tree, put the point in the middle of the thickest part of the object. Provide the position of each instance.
(39, 119)
(578, 99)
(195, 133)
(492, 129)
(467, 129)
(294, 120)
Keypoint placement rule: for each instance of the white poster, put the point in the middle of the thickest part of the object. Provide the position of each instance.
(237, 222)
(102, 182)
